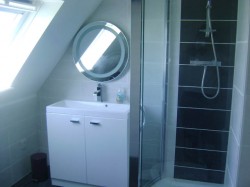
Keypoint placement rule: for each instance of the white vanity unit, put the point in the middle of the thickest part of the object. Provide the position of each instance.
(88, 144)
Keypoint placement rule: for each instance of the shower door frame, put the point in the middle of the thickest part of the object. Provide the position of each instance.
(135, 62)
(164, 90)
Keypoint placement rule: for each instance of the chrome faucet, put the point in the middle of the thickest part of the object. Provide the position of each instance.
(98, 93)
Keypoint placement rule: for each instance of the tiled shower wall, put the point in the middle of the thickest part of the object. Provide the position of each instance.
(203, 124)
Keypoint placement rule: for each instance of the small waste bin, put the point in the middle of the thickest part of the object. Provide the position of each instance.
(39, 167)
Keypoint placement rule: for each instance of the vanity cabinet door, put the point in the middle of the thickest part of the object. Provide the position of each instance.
(66, 147)
(107, 151)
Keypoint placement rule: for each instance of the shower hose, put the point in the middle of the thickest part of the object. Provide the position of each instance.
(217, 65)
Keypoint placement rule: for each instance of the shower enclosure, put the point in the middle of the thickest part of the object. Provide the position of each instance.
(187, 73)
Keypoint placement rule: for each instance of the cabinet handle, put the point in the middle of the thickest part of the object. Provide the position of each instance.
(95, 123)
(75, 120)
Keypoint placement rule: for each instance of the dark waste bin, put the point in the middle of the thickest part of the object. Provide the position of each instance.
(39, 167)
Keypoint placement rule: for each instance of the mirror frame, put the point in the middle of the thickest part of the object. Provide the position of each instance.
(123, 60)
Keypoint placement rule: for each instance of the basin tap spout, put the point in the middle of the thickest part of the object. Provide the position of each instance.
(98, 93)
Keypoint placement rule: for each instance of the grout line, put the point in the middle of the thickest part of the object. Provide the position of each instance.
(208, 43)
(203, 66)
(212, 109)
(199, 168)
(197, 149)
(203, 129)
(203, 20)
(181, 86)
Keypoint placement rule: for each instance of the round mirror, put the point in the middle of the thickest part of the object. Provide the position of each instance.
(100, 51)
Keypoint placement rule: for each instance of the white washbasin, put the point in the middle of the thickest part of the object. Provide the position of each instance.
(79, 107)
(78, 104)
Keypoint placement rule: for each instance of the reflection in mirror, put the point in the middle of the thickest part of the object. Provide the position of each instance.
(100, 51)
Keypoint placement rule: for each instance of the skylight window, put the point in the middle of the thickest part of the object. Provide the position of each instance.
(22, 23)
(26, 5)
(13, 14)
(9, 22)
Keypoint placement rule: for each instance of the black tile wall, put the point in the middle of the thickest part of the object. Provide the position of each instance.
(225, 31)
(201, 139)
(199, 174)
(192, 75)
(192, 97)
(203, 119)
(203, 124)
(203, 159)
(221, 9)
(202, 51)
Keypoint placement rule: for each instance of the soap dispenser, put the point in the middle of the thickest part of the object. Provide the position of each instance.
(120, 96)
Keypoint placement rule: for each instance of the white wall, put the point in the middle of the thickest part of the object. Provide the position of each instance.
(19, 122)
(238, 165)
(244, 164)
(19, 114)
(65, 82)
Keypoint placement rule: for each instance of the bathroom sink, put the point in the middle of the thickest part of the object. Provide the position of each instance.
(85, 139)
(101, 109)
(77, 104)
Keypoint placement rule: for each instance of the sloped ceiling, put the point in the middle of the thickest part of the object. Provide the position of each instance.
(51, 47)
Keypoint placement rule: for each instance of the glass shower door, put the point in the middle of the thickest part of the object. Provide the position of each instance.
(153, 91)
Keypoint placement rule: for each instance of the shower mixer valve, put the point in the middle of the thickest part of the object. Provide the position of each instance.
(205, 63)
(207, 30)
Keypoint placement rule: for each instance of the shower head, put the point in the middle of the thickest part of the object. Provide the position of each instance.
(208, 19)
(209, 3)
(208, 30)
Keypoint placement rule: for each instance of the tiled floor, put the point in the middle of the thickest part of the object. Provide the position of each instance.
(183, 183)
(27, 182)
